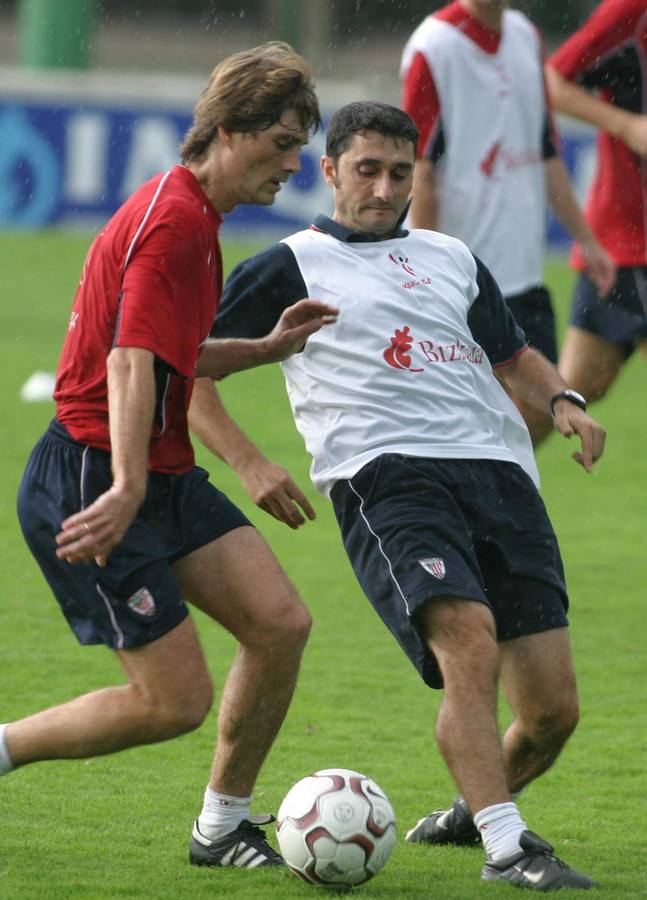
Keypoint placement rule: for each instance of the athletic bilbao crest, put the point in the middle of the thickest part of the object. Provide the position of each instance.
(435, 566)
(142, 602)
(397, 355)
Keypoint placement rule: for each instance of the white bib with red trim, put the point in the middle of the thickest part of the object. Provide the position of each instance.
(491, 175)
(400, 371)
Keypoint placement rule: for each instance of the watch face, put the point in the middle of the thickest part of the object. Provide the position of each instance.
(570, 395)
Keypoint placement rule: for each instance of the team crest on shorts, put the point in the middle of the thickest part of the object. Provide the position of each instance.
(142, 602)
(435, 566)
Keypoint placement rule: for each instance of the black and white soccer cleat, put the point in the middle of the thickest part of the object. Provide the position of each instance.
(536, 869)
(453, 826)
(243, 848)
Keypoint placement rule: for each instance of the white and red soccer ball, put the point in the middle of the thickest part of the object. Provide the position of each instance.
(336, 827)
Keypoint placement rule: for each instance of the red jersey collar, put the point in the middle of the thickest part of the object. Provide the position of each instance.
(192, 183)
(455, 14)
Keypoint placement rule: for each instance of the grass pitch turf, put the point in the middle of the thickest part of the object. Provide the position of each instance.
(119, 826)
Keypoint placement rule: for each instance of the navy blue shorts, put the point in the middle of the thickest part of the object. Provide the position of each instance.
(534, 312)
(418, 529)
(136, 598)
(620, 318)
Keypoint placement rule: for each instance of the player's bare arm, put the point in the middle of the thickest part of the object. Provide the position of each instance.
(599, 264)
(575, 101)
(424, 196)
(269, 485)
(95, 531)
(222, 356)
(536, 380)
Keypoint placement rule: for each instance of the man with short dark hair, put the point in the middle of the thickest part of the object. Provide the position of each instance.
(430, 469)
(123, 524)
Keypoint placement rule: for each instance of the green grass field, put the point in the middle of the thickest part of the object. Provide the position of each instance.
(119, 826)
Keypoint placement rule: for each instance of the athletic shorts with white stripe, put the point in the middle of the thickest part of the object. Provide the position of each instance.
(136, 598)
(416, 529)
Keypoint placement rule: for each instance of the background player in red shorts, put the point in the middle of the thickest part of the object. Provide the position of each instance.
(123, 524)
(599, 75)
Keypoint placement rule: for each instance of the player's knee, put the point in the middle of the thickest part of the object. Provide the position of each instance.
(555, 724)
(566, 718)
(196, 706)
(285, 625)
(181, 709)
(293, 627)
(598, 389)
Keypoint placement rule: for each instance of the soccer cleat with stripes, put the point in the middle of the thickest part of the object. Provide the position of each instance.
(536, 868)
(243, 848)
(449, 826)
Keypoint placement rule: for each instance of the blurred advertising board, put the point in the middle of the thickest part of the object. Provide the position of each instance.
(74, 146)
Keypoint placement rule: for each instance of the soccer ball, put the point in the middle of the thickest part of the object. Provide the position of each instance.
(336, 827)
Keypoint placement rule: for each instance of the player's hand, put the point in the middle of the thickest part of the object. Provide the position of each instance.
(634, 133)
(600, 268)
(273, 490)
(570, 420)
(96, 530)
(295, 326)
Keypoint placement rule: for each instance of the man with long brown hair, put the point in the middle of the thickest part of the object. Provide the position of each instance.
(123, 524)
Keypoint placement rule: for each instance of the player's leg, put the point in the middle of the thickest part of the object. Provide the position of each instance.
(133, 606)
(589, 364)
(462, 637)
(642, 349)
(539, 683)
(168, 693)
(237, 581)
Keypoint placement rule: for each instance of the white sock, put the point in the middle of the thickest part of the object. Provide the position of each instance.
(501, 827)
(221, 814)
(6, 763)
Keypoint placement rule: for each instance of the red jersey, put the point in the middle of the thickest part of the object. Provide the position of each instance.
(152, 279)
(609, 54)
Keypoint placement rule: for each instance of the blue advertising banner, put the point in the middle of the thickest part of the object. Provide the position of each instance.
(71, 165)
(72, 162)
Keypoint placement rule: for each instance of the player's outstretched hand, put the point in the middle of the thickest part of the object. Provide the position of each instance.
(273, 490)
(570, 420)
(295, 326)
(96, 530)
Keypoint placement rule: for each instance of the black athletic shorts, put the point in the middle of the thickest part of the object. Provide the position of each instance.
(534, 312)
(136, 598)
(621, 317)
(417, 529)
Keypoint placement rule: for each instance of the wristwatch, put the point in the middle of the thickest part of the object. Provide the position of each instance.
(571, 396)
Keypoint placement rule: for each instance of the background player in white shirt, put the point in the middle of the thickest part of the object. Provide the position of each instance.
(473, 83)
(429, 468)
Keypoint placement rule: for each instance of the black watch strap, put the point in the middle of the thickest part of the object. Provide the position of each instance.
(571, 396)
